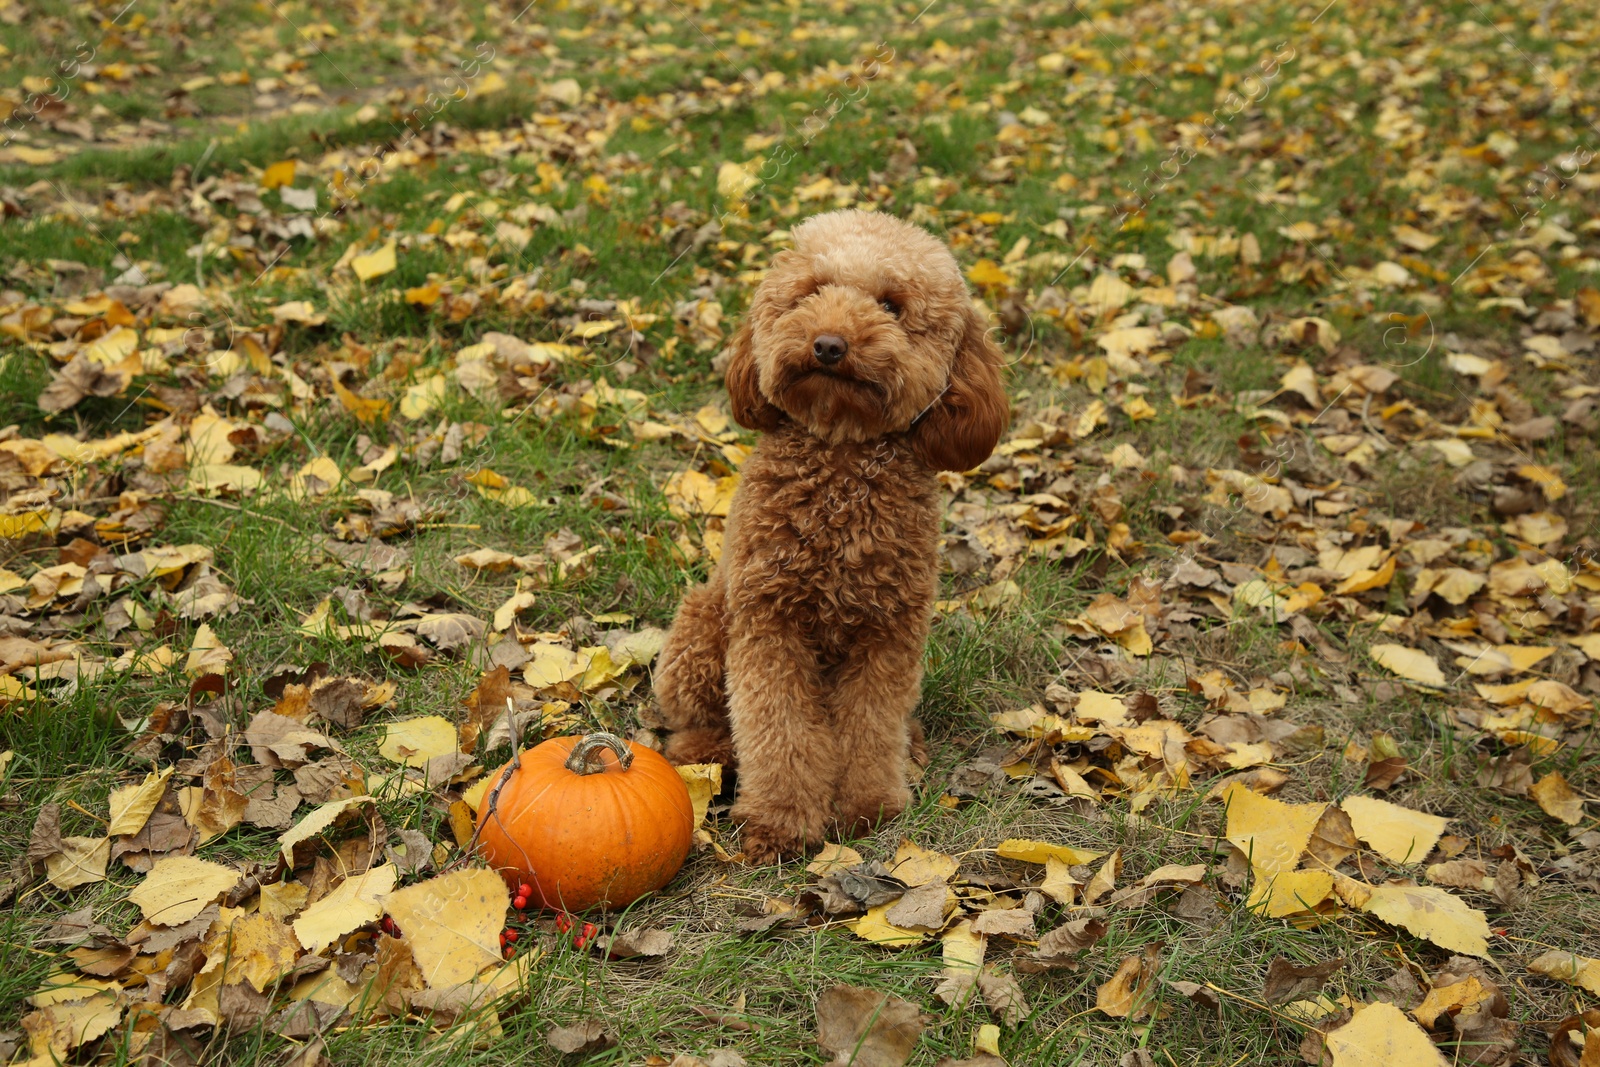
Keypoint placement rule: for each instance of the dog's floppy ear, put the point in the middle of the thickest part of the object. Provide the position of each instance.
(966, 423)
(751, 408)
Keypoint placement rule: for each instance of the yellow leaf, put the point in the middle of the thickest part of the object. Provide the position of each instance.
(1433, 914)
(1557, 798)
(215, 477)
(832, 857)
(1027, 851)
(875, 927)
(1272, 834)
(452, 923)
(1380, 1035)
(1569, 967)
(354, 902)
(413, 742)
(704, 781)
(691, 493)
(1058, 884)
(424, 295)
(1288, 892)
(258, 948)
(81, 861)
(365, 409)
(278, 175)
(207, 654)
(1500, 659)
(986, 274)
(180, 887)
(319, 819)
(1129, 993)
(916, 866)
(422, 397)
(132, 805)
(1408, 663)
(375, 264)
(1399, 835)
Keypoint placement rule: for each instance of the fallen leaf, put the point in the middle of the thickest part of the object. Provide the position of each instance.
(1380, 1035)
(1129, 993)
(452, 923)
(1041, 851)
(866, 1028)
(1557, 798)
(413, 742)
(1569, 967)
(1432, 914)
(1272, 834)
(591, 1035)
(1399, 835)
(353, 903)
(916, 866)
(179, 887)
(131, 805)
(1408, 663)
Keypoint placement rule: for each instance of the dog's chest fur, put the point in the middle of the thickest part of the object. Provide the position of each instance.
(837, 538)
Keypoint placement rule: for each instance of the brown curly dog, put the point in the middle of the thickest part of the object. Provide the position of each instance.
(868, 369)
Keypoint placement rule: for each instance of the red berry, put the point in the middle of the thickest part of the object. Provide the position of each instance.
(589, 930)
(508, 952)
(509, 936)
(563, 922)
(524, 890)
(520, 903)
(580, 942)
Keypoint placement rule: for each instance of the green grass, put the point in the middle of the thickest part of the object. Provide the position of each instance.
(655, 128)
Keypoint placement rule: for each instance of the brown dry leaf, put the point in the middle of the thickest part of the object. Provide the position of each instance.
(631, 944)
(179, 887)
(1288, 981)
(452, 923)
(1557, 798)
(582, 1038)
(1332, 841)
(922, 908)
(1399, 835)
(866, 1028)
(1003, 996)
(1380, 1035)
(1129, 993)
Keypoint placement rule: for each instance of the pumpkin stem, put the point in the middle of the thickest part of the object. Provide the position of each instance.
(578, 761)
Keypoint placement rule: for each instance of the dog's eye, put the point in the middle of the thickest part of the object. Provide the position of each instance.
(890, 306)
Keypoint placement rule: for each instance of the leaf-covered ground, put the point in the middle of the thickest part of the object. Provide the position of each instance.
(358, 370)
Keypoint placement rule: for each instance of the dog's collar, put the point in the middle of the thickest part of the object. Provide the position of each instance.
(924, 412)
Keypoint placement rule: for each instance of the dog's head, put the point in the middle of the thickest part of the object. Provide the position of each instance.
(864, 329)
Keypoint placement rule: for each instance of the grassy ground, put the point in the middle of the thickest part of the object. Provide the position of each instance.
(1102, 135)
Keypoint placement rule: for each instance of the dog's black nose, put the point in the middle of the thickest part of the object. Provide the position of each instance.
(829, 349)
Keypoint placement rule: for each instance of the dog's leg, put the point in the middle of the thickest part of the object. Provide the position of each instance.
(784, 743)
(871, 704)
(690, 678)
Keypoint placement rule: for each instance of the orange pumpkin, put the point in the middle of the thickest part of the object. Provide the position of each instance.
(587, 821)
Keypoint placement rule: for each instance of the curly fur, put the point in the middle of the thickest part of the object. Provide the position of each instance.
(801, 658)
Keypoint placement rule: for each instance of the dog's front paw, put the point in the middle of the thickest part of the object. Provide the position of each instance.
(858, 812)
(768, 837)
